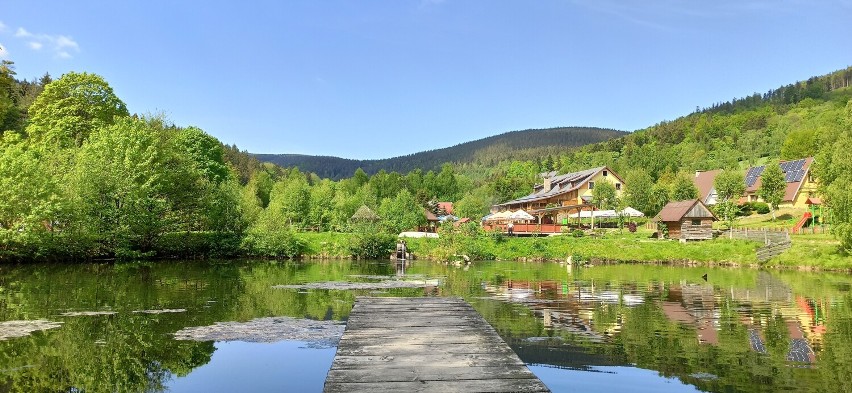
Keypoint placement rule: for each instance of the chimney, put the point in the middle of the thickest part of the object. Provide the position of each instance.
(547, 185)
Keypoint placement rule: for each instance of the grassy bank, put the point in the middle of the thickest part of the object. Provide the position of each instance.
(612, 246)
(808, 251)
(813, 251)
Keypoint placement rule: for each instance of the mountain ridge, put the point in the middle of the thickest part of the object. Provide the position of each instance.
(507, 144)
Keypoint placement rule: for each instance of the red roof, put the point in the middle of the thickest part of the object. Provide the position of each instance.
(704, 182)
(446, 206)
(429, 215)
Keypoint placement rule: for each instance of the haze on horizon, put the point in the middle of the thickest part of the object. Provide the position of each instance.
(387, 78)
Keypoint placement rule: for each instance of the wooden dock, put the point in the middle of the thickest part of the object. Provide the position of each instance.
(424, 344)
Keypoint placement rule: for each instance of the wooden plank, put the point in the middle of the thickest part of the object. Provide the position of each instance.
(434, 373)
(424, 345)
(450, 360)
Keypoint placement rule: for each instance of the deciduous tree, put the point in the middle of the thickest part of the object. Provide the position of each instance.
(772, 186)
(71, 108)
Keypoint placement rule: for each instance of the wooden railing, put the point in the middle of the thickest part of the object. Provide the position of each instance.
(527, 228)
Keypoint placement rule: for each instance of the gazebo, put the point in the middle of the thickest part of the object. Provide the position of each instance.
(365, 214)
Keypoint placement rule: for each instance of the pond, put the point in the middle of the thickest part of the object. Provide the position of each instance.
(258, 326)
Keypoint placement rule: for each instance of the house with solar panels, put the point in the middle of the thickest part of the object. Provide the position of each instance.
(800, 183)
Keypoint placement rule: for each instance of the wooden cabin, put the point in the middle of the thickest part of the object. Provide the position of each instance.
(687, 220)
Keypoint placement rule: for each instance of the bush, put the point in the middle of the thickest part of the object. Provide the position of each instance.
(372, 245)
(746, 209)
(275, 244)
(760, 207)
(578, 233)
(197, 244)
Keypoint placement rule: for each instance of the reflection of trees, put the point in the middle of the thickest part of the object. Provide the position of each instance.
(835, 365)
(122, 352)
(611, 315)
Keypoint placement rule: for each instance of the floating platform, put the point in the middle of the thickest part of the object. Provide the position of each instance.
(424, 344)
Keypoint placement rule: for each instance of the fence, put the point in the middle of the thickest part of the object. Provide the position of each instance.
(775, 241)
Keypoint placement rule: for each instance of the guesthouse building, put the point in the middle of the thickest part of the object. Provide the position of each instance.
(557, 196)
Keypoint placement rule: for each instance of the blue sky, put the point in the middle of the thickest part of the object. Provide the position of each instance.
(382, 78)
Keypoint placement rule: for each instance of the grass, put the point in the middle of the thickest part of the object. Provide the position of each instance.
(807, 251)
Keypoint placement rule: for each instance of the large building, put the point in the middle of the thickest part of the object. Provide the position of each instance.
(559, 195)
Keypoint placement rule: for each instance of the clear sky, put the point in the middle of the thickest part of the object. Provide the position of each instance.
(382, 78)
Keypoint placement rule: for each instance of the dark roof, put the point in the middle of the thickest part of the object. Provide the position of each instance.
(561, 184)
(678, 210)
(704, 182)
(794, 172)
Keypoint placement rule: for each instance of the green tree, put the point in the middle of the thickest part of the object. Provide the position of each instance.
(360, 178)
(638, 184)
(683, 189)
(604, 196)
(127, 187)
(205, 153)
(474, 205)
(445, 186)
(772, 186)
(659, 198)
(401, 213)
(321, 210)
(71, 108)
(832, 169)
(730, 185)
(292, 198)
(10, 116)
(31, 201)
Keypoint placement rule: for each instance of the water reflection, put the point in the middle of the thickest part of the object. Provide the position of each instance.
(614, 328)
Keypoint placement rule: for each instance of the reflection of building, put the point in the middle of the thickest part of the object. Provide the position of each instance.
(595, 312)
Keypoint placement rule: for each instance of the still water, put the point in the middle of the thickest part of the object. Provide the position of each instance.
(623, 328)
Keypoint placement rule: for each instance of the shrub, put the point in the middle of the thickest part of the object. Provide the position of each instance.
(746, 209)
(197, 244)
(275, 244)
(578, 233)
(760, 207)
(372, 245)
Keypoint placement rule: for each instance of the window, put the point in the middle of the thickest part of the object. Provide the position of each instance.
(696, 222)
(604, 173)
(591, 185)
(617, 186)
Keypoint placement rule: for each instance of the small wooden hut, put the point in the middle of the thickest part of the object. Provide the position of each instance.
(687, 220)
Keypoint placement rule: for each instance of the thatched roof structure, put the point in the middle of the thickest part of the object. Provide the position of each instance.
(364, 213)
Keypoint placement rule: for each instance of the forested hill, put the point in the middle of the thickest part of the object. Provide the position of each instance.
(510, 145)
